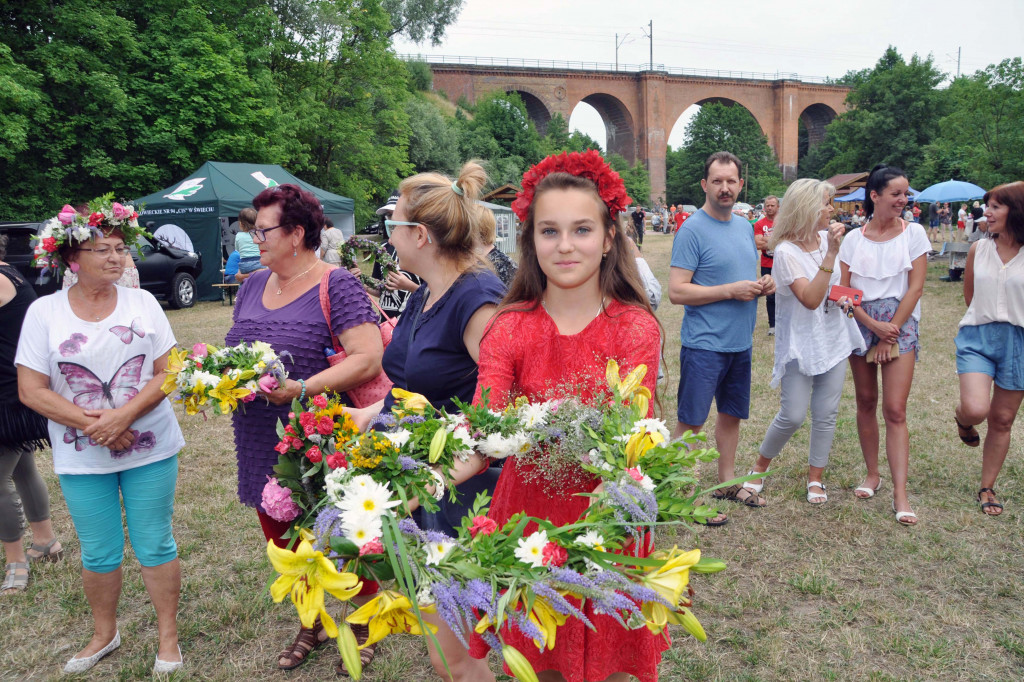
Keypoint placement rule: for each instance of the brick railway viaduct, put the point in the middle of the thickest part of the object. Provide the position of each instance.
(640, 107)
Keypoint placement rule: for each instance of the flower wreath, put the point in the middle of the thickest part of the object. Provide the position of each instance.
(377, 253)
(70, 226)
(588, 164)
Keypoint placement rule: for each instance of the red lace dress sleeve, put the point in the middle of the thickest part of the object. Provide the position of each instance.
(524, 354)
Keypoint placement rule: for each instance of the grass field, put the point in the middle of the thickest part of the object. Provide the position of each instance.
(837, 592)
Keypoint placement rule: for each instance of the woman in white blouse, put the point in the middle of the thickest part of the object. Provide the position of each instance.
(887, 260)
(990, 343)
(813, 336)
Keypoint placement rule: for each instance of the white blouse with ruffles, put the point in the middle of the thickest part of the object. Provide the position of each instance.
(998, 287)
(882, 269)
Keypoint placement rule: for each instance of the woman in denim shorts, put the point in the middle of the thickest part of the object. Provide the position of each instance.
(990, 343)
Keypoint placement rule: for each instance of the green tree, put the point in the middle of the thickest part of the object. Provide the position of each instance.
(720, 127)
(635, 177)
(420, 76)
(559, 139)
(503, 116)
(433, 140)
(981, 138)
(895, 115)
(421, 20)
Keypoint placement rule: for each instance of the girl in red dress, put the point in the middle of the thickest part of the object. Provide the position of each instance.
(576, 302)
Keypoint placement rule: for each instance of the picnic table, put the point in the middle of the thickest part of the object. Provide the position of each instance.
(228, 291)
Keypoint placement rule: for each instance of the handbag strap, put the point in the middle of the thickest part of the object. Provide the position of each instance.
(325, 306)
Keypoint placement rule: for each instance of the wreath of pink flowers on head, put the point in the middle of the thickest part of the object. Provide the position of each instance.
(588, 164)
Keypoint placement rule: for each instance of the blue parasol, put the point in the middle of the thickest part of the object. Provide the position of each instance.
(951, 190)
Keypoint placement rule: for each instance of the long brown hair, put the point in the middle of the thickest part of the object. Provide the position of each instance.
(619, 278)
(1011, 195)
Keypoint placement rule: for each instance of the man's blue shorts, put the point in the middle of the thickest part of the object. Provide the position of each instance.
(707, 374)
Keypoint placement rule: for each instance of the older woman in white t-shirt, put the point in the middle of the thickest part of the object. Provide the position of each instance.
(887, 260)
(990, 342)
(91, 360)
(813, 336)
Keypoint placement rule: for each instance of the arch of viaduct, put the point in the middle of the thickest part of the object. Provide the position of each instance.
(639, 109)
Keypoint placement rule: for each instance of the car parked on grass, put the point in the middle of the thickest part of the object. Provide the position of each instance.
(164, 271)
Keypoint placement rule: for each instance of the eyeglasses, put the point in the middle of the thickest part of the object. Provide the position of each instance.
(388, 224)
(260, 233)
(105, 251)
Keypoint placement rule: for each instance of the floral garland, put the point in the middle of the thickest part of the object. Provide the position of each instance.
(491, 578)
(224, 378)
(588, 164)
(70, 226)
(377, 254)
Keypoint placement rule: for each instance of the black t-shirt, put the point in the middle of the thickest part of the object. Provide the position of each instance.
(638, 218)
(393, 302)
(11, 317)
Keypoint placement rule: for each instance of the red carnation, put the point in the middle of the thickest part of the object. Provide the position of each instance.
(282, 447)
(337, 461)
(482, 524)
(307, 419)
(372, 547)
(309, 429)
(50, 244)
(325, 426)
(95, 219)
(290, 429)
(320, 400)
(295, 443)
(554, 555)
(314, 455)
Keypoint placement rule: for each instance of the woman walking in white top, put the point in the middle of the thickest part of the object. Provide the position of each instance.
(990, 343)
(813, 336)
(887, 260)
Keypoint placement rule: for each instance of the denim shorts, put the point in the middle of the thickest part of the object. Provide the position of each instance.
(995, 349)
(707, 374)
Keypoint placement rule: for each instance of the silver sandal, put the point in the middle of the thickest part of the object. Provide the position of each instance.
(46, 552)
(14, 580)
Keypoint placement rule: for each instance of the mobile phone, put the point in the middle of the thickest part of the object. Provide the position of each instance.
(837, 292)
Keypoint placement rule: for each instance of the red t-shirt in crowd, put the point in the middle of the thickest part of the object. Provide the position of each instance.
(917, 212)
(680, 217)
(764, 226)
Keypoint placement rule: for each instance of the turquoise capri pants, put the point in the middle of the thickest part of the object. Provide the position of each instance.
(94, 501)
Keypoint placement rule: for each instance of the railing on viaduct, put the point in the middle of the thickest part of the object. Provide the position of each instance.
(555, 64)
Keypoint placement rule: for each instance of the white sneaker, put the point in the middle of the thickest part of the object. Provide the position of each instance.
(771, 331)
(168, 667)
(80, 665)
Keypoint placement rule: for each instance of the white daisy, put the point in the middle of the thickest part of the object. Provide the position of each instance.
(591, 539)
(532, 415)
(372, 498)
(531, 549)
(360, 528)
(436, 551)
(335, 483)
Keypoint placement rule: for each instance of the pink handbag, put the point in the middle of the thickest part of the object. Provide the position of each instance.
(375, 389)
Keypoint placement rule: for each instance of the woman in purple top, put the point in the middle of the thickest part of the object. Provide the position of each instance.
(281, 306)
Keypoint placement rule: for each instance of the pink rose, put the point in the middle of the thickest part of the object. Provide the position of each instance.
(120, 212)
(199, 350)
(282, 447)
(67, 215)
(337, 461)
(268, 384)
(278, 502)
(320, 400)
(314, 455)
(635, 474)
(249, 398)
(554, 555)
(372, 547)
(482, 524)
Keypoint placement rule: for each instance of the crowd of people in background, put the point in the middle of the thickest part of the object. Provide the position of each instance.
(468, 319)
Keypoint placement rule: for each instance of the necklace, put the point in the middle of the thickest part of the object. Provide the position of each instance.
(288, 283)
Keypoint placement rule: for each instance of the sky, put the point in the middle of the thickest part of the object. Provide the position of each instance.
(809, 38)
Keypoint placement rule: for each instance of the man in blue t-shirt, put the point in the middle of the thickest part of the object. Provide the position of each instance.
(715, 276)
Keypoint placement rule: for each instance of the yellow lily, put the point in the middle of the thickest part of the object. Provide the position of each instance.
(306, 575)
(175, 363)
(544, 616)
(409, 402)
(630, 384)
(227, 395)
(389, 613)
(641, 402)
(671, 578)
(195, 400)
(658, 616)
(638, 445)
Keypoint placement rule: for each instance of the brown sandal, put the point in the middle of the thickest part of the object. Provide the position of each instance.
(366, 656)
(732, 493)
(307, 641)
(972, 439)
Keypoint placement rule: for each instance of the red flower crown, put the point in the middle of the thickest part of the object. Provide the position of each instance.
(588, 164)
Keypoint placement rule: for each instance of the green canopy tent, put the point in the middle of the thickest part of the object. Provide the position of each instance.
(207, 202)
